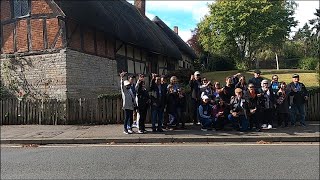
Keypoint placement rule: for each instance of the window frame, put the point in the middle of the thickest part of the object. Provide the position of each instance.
(13, 15)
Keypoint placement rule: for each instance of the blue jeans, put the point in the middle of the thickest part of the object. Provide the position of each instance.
(241, 119)
(206, 122)
(128, 119)
(157, 117)
(295, 111)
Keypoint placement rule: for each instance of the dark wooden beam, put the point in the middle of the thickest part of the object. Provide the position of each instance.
(134, 62)
(34, 16)
(81, 38)
(1, 36)
(15, 36)
(45, 34)
(57, 36)
(125, 51)
(64, 29)
(118, 48)
(95, 41)
(29, 35)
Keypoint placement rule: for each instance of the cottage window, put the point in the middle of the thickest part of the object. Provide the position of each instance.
(21, 8)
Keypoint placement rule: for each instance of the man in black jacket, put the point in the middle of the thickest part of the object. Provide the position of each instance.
(256, 80)
(158, 102)
(195, 83)
(298, 96)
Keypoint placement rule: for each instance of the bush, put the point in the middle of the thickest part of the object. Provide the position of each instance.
(308, 63)
(242, 65)
(4, 93)
(220, 63)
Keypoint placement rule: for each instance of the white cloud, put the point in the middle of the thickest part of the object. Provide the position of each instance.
(197, 8)
(304, 12)
(185, 34)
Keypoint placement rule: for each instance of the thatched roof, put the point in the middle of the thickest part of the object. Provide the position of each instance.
(123, 21)
(175, 37)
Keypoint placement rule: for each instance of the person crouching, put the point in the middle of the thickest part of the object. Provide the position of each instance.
(205, 112)
(238, 112)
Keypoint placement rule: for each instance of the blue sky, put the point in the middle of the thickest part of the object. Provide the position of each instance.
(186, 14)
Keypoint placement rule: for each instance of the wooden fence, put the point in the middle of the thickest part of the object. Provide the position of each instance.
(91, 111)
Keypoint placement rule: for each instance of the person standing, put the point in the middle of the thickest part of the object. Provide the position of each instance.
(242, 84)
(266, 100)
(181, 108)
(256, 80)
(195, 84)
(174, 83)
(274, 85)
(299, 96)
(158, 99)
(171, 108)
(134, 87)
(128, 101)
(227, 90)
(283, 105)
(143, 103)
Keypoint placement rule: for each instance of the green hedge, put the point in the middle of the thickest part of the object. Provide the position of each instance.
(309, 63)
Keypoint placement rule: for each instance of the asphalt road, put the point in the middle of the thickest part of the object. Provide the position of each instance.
(161, 162)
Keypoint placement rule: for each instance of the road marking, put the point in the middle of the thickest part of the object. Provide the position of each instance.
(160, 145)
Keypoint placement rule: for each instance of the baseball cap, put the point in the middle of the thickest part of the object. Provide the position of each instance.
(204, 97)
(295, 76)
(196, 73)
(264, 81)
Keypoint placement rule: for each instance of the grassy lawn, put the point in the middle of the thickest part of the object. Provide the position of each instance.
(309, 78)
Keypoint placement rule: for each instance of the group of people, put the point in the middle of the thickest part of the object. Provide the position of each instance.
(246, 106)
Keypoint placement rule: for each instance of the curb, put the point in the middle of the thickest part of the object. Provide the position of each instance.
(160, 140)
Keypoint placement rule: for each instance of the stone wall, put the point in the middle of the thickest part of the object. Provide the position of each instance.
(35, 76)
(89, 76)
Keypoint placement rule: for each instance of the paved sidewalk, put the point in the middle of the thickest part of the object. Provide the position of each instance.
(73, 134)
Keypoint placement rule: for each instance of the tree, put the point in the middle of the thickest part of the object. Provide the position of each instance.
(207, 60)
(244, 27)
(315, 23)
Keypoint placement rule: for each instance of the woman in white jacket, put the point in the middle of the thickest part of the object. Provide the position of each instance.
(129, 103)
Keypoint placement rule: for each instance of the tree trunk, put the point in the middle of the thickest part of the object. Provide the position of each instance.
(277, 60)
(257, 63)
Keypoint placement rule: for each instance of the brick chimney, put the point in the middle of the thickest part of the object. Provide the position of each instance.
(141, 6)
(175, 29)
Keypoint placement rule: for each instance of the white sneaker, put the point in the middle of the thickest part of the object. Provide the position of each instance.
(140, 132)
(203, 129)
(130, 131)
(269, 126)
(264, 126)
(135, 125)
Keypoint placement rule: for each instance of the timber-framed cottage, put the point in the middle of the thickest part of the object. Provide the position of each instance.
(71, 49)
